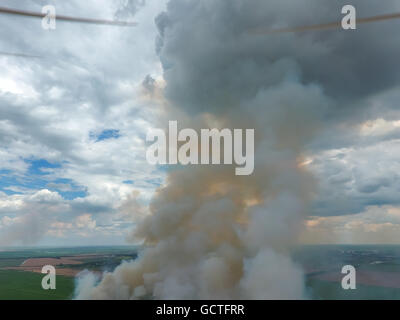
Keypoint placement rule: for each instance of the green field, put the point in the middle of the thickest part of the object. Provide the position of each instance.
(19, 285)
(10, 262)
(24, 285)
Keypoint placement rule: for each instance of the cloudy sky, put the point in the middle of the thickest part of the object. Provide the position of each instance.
(73, 122)
(74, 116)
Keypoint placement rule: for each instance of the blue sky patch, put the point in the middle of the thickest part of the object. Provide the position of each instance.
(37, 167)
(36, 179)
(106, 134)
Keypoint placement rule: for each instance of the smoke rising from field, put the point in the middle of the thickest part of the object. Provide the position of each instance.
(211, 234)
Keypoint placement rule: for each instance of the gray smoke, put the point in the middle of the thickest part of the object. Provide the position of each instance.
(211, 234)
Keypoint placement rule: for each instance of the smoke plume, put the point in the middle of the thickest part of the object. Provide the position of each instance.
(211, 234)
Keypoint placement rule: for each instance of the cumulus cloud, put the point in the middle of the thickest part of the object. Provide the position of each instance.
(375, 225)
(27, 218)
(51, 106)
(361, 174)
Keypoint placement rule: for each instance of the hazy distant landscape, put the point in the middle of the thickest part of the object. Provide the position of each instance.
(377, 266)
(378, 270)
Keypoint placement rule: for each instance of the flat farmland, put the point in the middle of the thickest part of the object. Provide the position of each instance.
(21, 277)
(22, 285)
